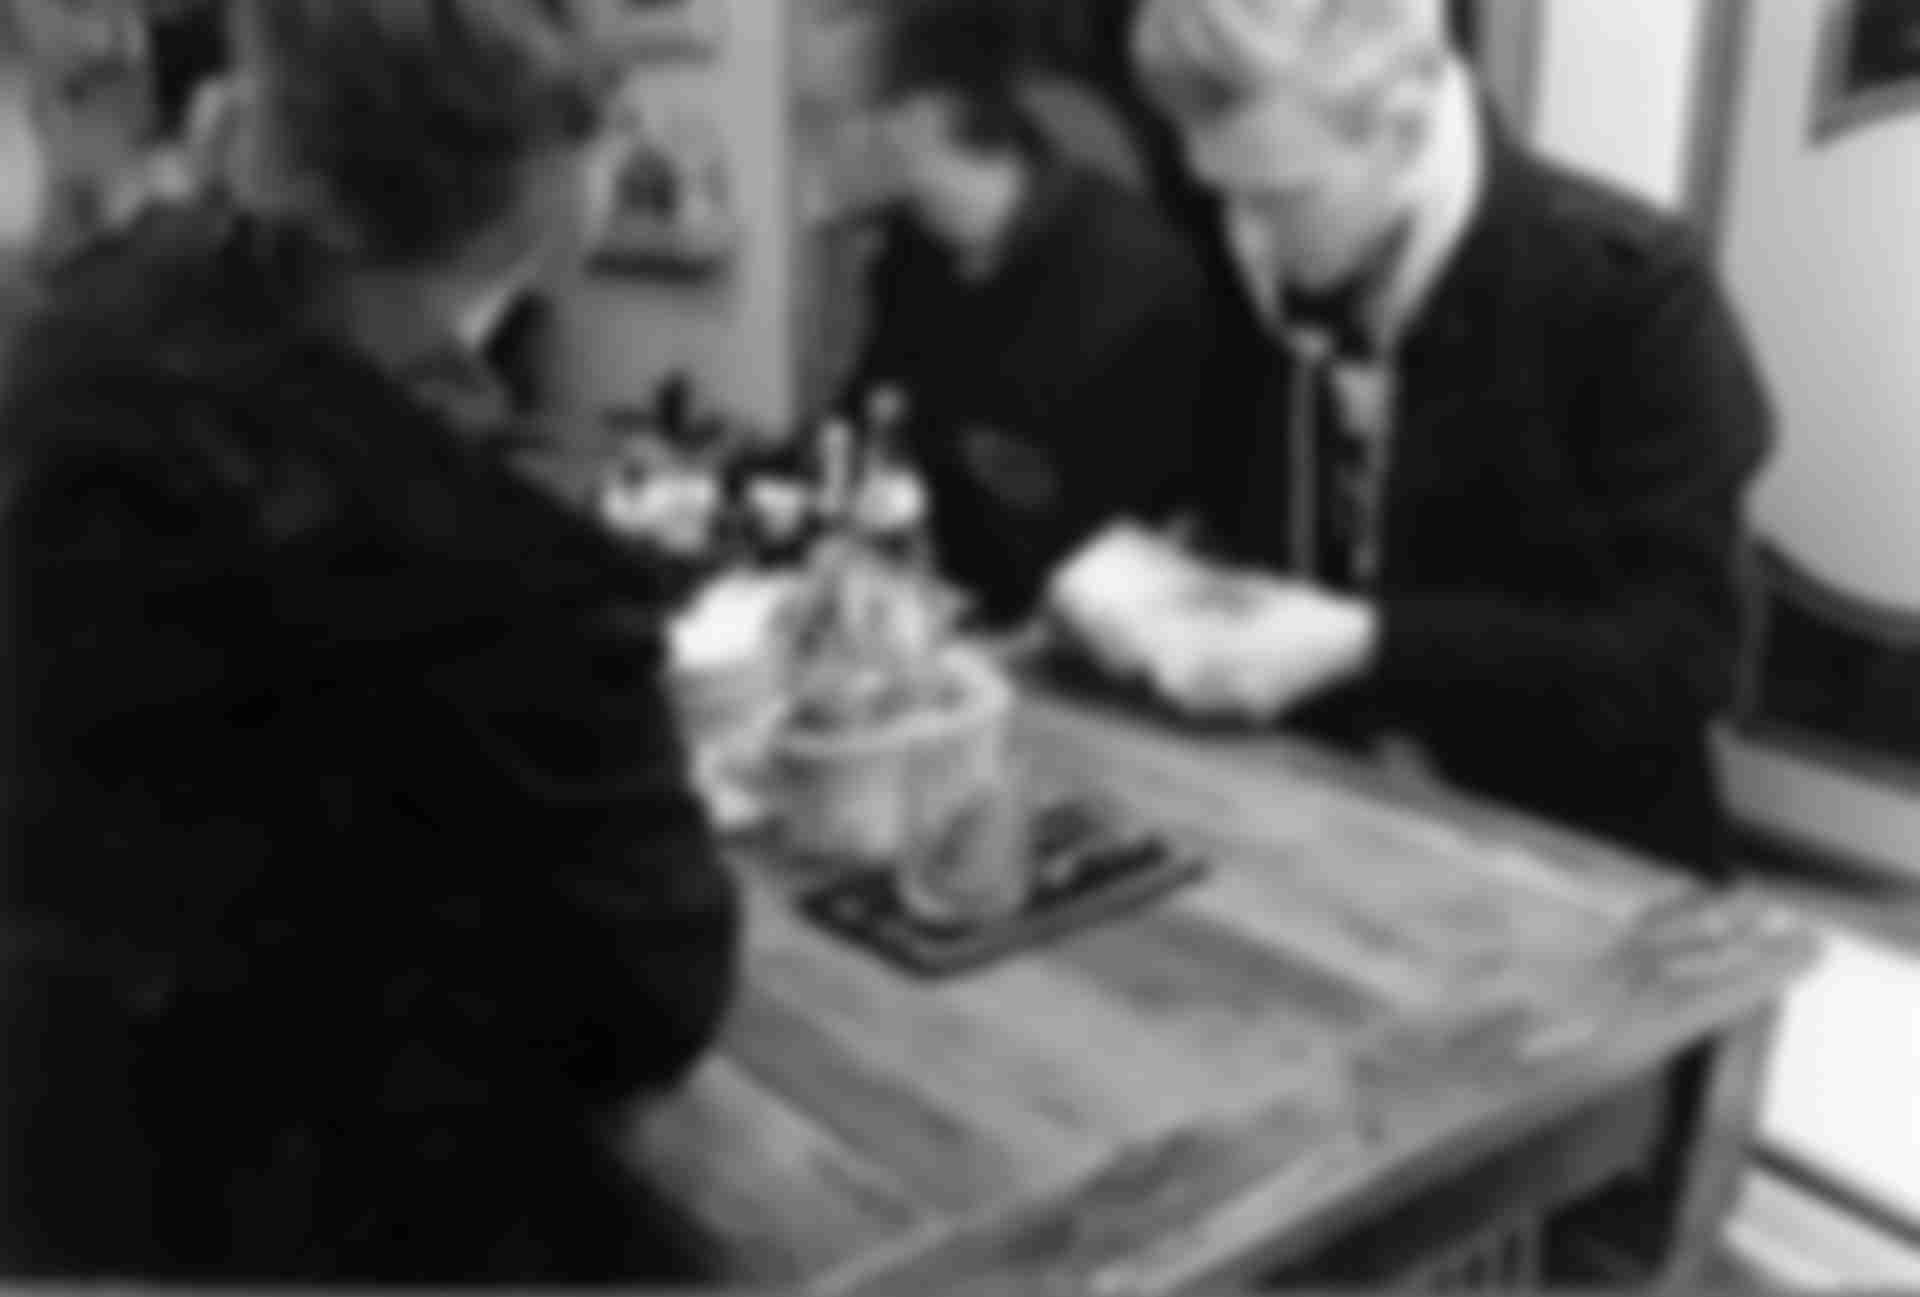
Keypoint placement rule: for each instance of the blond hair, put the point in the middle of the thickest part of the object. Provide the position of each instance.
(1348, 60)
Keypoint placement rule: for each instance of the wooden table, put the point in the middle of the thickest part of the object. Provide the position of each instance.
(1386, 1017)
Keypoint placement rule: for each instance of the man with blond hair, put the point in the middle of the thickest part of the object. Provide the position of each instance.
(1500, 423)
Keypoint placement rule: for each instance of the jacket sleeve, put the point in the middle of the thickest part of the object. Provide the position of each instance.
(1136, 421)
(1681, 425)
(632, 925)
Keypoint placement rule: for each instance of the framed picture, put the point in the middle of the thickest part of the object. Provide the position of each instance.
(1870, 65)
(664, 29)
(674, 214)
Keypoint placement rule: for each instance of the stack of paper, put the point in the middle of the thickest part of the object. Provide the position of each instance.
(734, 622)
(1143, 607)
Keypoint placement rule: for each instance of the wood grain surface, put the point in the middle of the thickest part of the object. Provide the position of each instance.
(1372, 990)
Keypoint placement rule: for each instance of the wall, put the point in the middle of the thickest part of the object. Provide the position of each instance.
(618, 336)
(1821, 258)
(1614, 92)
(1821, 247)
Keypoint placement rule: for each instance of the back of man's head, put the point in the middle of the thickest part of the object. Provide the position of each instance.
(412, 124)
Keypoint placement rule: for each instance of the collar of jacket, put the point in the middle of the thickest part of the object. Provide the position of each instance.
(1472, 281)
(289, 289)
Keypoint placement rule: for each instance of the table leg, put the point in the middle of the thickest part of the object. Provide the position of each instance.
(1718, 1119)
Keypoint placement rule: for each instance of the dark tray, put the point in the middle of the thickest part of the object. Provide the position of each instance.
(1089, 867)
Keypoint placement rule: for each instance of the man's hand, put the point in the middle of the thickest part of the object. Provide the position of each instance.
(1107, 597)
(1212, 642)
(1258, 663)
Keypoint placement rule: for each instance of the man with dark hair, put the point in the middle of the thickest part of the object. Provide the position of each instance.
(353, 882)
(1048, 329)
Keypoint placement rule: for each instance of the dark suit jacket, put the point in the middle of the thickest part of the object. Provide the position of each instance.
(1579, 422)
(352, 874)
(1087, 349)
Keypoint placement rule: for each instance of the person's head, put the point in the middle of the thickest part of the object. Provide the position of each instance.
(962, 144)
(465, 139)
(1306, 116)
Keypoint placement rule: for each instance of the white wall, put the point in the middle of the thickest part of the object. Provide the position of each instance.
(619, 336)
(1822, 256)
(1823, 251)
(1615, 89)
(22, 185)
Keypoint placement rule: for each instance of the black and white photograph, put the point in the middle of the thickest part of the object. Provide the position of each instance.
(857, 647)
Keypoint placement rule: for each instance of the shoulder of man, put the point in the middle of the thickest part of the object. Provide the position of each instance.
(158, 295)
(1621, 238)
(141, 352)
(1625, 277)
(1132, 246)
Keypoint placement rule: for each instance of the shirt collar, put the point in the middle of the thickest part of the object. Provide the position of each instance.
(444, 368)
(1449, 183)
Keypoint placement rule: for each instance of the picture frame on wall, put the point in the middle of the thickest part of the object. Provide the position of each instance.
(1869, 65)
(646, 30)
(673, 216)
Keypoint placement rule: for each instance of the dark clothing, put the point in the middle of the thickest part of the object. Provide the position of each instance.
(1578, 421)
(189, 50)
(353, 880)
(1083, 357)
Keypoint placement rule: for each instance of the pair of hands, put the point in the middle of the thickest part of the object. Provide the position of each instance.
(1214, 644)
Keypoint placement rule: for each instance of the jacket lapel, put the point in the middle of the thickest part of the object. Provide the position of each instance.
(1450, 411)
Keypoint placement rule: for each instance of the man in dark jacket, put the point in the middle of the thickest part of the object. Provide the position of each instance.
(1501, 426)
(353, 885)
(1048, 329)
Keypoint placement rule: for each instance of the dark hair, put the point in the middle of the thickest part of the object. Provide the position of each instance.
(189, 44)
(415, 119)
(971, 53)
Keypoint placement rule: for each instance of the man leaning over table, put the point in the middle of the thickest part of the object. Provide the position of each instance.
(1049, 329)
(1498, 437)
